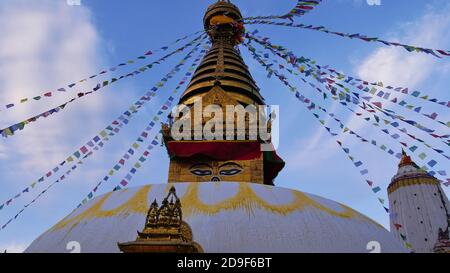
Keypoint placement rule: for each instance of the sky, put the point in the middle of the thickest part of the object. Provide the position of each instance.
(47, 44)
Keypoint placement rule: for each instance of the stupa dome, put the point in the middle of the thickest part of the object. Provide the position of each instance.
(223, 217)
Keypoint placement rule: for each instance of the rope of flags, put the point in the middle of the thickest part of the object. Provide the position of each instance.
(377, 107)
(372, 92)
(291, 59)
(402, 90)
(439, 53)
(105, 134)
(354, 81)
(431, 163)
(99, 140)
(344, 97)
(10, 131)
(131, 151)
(398, 227)
(60, 179)
(358, 164)
(300, 9)
(138, 164)
(363, 87)
(345, 129)
(48, 94)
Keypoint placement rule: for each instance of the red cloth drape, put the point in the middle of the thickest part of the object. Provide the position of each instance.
(218, 150)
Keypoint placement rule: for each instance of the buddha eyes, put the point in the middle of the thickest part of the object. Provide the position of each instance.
(201, 172)
(230, 172)
(227, 169)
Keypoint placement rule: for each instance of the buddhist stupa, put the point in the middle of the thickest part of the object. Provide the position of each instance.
(419, 208)
(221, 194)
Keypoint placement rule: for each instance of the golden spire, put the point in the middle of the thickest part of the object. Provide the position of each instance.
(223, 65)
(233, 151)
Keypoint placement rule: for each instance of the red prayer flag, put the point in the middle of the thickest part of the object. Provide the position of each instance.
(84, 149)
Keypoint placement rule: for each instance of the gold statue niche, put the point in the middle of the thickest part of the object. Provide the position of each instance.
(164, 230)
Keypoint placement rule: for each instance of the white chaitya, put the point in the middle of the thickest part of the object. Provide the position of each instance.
(418, 205)
(224, 217)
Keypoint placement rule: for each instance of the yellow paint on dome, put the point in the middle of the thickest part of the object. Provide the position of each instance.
(136, 204)
(245, 198)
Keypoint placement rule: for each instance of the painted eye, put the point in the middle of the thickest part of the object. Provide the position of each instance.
(230, 172)
(201, 172)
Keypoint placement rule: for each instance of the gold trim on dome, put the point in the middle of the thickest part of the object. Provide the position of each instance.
(136, 204)
(245, 198)
(410, 182)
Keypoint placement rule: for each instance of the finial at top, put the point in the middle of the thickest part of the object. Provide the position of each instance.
(223, 22)
(406, 159)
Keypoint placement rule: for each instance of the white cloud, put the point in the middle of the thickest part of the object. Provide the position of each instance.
(12, 248)
(45, 45)
(397, 67)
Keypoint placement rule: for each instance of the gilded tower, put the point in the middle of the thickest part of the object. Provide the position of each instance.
(222, 80)
(223, 97)
(419, 207)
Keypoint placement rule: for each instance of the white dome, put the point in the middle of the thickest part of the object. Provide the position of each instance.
(224, 217)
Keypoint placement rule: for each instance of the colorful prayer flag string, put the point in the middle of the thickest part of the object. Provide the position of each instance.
(99, 140)
(439, 53)
(359, 84)
(300, 9)
(292, 60)
(49, 94)
(374, 94)
(9, 131)
(357, 163)
(131, 151)
(137, 165)
(110, 130)
(402, 90)
(431, 163)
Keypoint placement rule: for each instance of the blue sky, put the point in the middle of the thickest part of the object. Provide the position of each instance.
(46, 44)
